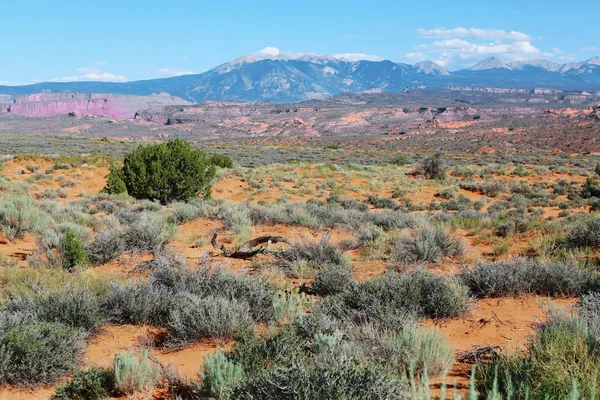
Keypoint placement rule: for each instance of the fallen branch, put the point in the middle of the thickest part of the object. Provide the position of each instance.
(479, 353)
(250, 248)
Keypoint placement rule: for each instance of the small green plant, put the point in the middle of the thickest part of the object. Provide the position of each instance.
(74, 254)
(220, 375)
(115, 183)
(133, 374)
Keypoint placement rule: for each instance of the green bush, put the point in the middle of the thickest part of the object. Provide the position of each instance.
(562, 353)
(421, 352)
(428, 245)
(221, 160)
(38, 353)
(149, 231)
(391, 299)
(401, 160)
(92, 384)
(434, 167)
(19, 214)
(73, 250)
(523, 276)
(133, 374)
(194, 318)
(170, 171)
(220, 375)
(115, 183)
(332, 279)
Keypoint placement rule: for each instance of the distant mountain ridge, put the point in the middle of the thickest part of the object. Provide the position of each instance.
(288, 78)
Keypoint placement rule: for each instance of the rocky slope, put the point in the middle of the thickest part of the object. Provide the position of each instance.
(108, 105)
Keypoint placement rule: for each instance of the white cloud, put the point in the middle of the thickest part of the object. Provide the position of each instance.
(268, 51)
(415, 56)
(91, 74)
(174, 72)
(591, 48)
(357, 57)
(100, 63)
(462, 47)
(475, 33)
(569, 57)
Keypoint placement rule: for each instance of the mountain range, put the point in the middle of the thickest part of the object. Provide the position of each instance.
(283, 78)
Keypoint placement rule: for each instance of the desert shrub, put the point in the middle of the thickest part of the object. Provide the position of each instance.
(171, 286)
(289, 305)
(255, 352)
(369, 233)
(220, 375)
(518, 276)
(185, 212)
(434, 167)
(562, 353)
(315, 254)
(221, 160)
(514, 225)
(418, 352)
(73, 250)
(588, 308)
(137, 303)
(237, 218)
(195, 317)
(151, 232)
(353, 380)
(38, 352)
(72, 306)
(381, 202)
(391, 298)
(332, 279)
(401, 160)
(428, 245)
(492, 189)
(20, 214)
(115, 183)
(585, 234)
(133, 374)
(92, 384)
(169, 171)
(107, 245)
(447, 193)
(589, 189)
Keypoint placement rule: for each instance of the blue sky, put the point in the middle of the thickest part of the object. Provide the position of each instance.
(129, 40)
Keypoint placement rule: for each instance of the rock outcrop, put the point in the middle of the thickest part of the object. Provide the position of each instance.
(77, 104)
